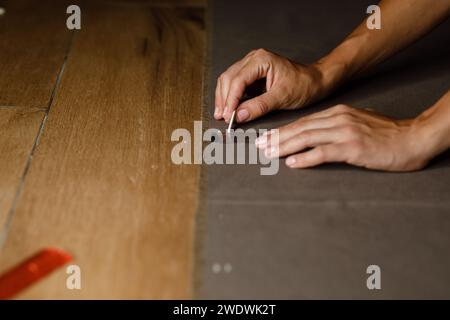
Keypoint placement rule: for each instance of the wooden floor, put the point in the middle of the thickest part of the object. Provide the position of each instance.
(85, 124)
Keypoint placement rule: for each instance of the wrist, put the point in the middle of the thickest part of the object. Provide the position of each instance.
(430, 133)
(347, 60)
(332, 75)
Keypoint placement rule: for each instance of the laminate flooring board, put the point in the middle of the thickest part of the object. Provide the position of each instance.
(33, 43)
(102, 185)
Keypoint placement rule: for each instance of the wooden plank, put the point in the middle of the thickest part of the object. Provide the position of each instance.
(18, 130)
(33, 42)
(102, 184)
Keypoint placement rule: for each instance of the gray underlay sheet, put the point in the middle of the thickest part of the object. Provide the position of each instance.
(312, 233)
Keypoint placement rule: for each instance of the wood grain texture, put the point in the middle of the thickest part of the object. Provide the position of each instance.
(18, 130)
(33, 43)
(102, 184)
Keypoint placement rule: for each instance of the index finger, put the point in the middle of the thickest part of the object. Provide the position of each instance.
(249, 73)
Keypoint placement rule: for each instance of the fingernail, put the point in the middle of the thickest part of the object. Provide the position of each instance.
(243, 115)
(290, 161)
(261, 141)
(270, 151)
(216, 113)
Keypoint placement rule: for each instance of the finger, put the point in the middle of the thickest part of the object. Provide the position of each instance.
(235, 93)
(287, 132)
(307, 139)
(249, 73)
(332, 111)
(256, 107)
(218, 111)
(226, 79)
(224, 92)
(327, 113)
(297, 127)
(319, 155)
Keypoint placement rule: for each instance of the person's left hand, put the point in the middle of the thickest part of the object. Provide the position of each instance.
(344, 134)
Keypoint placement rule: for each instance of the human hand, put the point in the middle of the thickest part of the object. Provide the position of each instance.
(357, 137)
(288, 86)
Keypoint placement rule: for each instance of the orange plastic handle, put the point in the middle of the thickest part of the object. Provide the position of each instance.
(33, 269)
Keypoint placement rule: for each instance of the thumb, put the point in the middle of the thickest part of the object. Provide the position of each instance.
(256, 107)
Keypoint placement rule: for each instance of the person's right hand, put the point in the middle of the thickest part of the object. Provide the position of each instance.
(288, 86)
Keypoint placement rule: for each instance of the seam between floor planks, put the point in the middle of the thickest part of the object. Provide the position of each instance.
(10, 214)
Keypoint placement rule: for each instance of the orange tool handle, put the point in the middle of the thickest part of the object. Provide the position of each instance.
(33, 269)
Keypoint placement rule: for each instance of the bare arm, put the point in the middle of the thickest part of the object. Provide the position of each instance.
(435, 125)
(291, 85)
(402, 23)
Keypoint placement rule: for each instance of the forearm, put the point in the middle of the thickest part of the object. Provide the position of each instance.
(434, 124)
(402, 23)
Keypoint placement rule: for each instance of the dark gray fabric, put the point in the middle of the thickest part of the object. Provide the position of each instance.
(312, 233)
